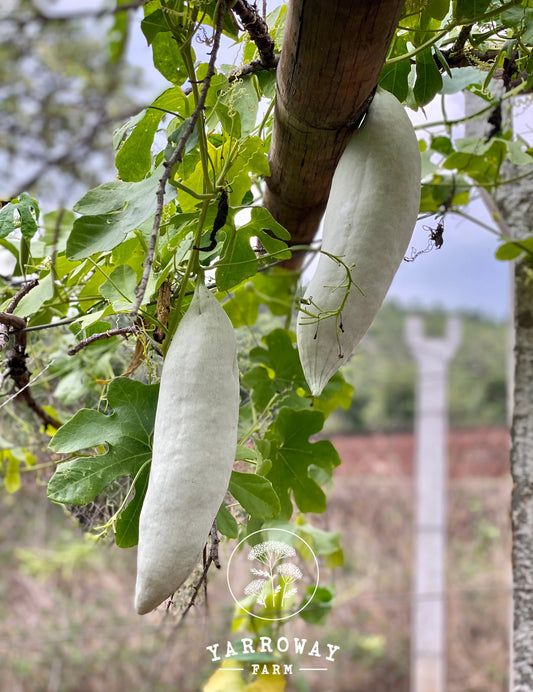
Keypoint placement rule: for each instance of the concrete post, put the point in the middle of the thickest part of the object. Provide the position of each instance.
(428, 640)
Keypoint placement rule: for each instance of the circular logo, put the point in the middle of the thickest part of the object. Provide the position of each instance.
(274, 576)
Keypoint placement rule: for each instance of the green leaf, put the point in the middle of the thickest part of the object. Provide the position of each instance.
(428, 78)
(252, 159)
(154, 23)
(325, 543)
(460, 78)
(226, 523)
(470, 9)
(292, 454)
(508, 251)
(240, 261)
(241, 98)
(175, 137)
(273, 288)
(33, 300)
(438, 9)
(337, 394)
(127, 526)
(319, 608)
(514, 16)
(279, 374)
(442, 144)
(120, 287)
(394, 78)
(229, 25)
(255, 494)
(110, 211)
(20, 214)
(127, 432)
(167, 58)
(134, 158)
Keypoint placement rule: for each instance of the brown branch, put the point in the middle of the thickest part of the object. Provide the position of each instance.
(8, 320)
(16, 358)
(47, 419)
(257, 29)
(119, 331)
(173, 160)
(18, 297)
(251, 68)
(210, 557)
(462, 38)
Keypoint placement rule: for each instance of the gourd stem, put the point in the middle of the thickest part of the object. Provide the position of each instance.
(192, 265)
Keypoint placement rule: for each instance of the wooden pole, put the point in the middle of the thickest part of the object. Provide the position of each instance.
(332, 55)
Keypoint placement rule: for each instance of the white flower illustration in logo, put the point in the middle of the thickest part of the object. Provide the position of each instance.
(276, 576)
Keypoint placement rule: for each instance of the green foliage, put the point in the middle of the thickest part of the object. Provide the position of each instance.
(23, 214)
(293, 459)
(90, 261)
(127, 432)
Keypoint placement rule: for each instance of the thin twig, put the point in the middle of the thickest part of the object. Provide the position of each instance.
(7, 319)
(119, 331)
(251, 68)
(174, 159)
(23, 291)
(17, 369)
(47, 419)
(210, 557)
(196, 589)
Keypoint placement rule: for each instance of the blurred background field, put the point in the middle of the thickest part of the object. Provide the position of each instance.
(66, 604)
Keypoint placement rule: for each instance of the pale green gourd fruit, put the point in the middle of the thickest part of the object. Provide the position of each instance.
(195, 438)
(371, 212)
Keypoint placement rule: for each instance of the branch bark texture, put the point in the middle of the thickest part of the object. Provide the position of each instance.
(330, 63)
(516, 203)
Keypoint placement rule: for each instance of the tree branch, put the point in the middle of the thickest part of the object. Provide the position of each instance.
(174, 159)
(8, 320)
(16, 358)
(251, 68)
(119, 331)
(257, 29)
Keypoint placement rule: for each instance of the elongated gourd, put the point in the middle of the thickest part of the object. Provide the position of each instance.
(195, 438)
(370, 216)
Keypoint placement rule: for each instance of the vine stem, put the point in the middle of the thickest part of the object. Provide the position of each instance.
(191, 264)
(446, 30)
(176, 158)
